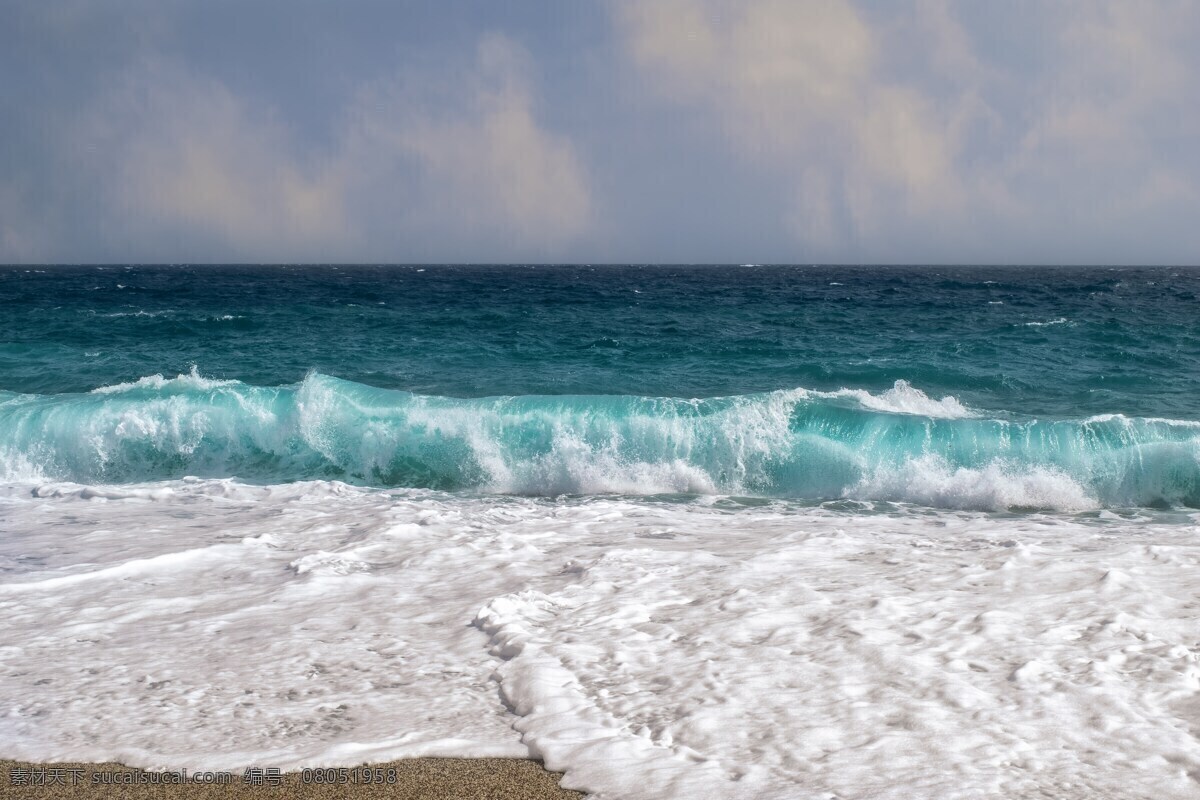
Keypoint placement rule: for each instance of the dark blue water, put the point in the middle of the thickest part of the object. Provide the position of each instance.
(1059, 341)
(1091, 375)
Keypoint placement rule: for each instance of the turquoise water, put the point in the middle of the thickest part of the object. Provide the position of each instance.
(959, 387)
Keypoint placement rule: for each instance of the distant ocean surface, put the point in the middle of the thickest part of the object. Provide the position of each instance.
(680, 531)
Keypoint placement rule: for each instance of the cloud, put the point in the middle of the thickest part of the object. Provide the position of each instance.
(490, 173)
(188, 160)
(689, 130)
(189, 165)
(1103, 153)
(898, 134)
(797, 88)
(1119, 83)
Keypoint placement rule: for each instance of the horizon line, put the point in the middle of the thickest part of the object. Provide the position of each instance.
(426, 264)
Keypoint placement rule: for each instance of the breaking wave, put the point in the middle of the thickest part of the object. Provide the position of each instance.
(896, 445)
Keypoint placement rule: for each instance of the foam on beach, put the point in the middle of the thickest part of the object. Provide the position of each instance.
(707, 648)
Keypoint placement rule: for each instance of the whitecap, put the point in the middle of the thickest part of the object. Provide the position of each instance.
(192, 380)
(903, 398)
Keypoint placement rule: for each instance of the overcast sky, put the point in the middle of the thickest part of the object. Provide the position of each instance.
(644, 131)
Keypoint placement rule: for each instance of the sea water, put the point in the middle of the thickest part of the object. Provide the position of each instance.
(787, 532)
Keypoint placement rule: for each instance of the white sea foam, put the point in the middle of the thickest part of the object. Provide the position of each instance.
(904, 398)
(192, 380)
(649, 649)
(138, 313)
(1132, 422)
(1000, 485)
(19, 468)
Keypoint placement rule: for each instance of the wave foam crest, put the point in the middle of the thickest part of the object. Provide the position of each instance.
(999, 485)
(193, 381)
(904, 398)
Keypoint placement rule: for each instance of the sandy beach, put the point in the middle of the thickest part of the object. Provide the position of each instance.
(410, 779)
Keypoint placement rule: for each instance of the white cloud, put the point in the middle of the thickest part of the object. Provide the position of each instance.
(188, 156)
(1121, 64)
(816, 129)
(797, 89)
(187, 161)
(1105, 155)
(898, 135)
(490, 173)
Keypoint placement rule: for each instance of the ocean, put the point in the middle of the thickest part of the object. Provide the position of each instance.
(680, 531)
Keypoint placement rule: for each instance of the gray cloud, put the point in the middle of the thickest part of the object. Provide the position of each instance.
(673, 130)
(933, 159)
(187, 159)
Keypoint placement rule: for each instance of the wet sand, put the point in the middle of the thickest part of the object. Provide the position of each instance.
(424, 778)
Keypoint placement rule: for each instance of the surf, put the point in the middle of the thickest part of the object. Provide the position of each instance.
(899, 445)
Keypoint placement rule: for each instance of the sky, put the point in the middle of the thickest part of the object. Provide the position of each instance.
(679, 131)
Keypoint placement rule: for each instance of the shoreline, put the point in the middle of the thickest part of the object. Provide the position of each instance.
(426, 778)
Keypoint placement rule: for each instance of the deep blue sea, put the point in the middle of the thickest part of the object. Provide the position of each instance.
(1069, 386)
